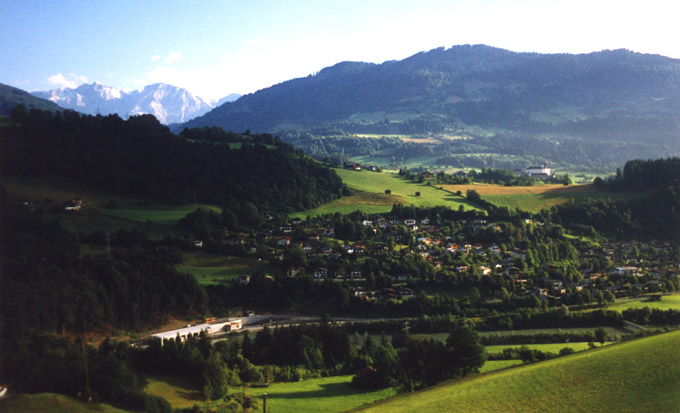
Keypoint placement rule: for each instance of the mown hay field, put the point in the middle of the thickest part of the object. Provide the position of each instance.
(537, 197)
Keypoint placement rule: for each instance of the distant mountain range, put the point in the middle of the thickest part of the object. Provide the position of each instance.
(605, 95)
(169, 104)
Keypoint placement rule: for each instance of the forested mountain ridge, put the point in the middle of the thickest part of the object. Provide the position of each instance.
(621, 94)
(247, 175)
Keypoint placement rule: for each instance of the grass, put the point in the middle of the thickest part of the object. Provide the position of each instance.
(180, 393)
(609, 330)
(326, 394)
(637, 376)
(371, 197)
(546, 348)
(217, 269)
(51, 402)
(668, 302)
(158, 214)
(537, 197)
(493, 365)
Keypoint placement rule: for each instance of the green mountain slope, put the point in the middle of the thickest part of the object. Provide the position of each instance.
(637, 376)
(11, 96)
(610, 94)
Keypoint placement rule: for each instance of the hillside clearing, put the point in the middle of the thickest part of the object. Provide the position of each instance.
(371, 197)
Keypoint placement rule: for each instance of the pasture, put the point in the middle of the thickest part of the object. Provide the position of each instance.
(635, 376)
(211, 269)
(537, 197)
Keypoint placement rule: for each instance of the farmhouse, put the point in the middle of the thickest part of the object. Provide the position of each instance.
(211, 329)
(353, 166)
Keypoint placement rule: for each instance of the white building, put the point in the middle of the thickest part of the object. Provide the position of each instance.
(539, 171)
(210, 329)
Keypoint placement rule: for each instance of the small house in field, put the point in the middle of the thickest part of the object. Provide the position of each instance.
(321, 273)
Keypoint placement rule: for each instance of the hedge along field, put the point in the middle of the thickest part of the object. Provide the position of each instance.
(537, 197)
(636, 376)
(372, 197)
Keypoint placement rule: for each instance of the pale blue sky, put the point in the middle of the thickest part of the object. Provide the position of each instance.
(214, 48)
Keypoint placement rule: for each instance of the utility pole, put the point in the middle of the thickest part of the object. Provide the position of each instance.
(108, 244)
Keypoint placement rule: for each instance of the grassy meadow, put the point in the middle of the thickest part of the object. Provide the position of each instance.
(218, 269)
(636, 376)
(537, 197)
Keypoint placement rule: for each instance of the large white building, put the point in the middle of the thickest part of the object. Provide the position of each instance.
(539, 171)
(210, 328)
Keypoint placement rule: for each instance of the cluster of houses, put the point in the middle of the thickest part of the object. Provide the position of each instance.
(420, 236)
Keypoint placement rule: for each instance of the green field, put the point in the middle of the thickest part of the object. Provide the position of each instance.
(637, 376)
(217, 269)
(493, 365)
(181, 394)
(610, 330)
(372, 198)
(546, 348)
(156, 213)
(326, 394)
(668, 302)
(50, 402)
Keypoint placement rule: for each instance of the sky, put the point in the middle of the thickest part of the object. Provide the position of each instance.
(214, 48)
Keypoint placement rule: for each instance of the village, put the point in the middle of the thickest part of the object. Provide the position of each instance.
(391, 259)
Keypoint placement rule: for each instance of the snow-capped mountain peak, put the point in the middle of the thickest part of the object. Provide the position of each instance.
(168, 103)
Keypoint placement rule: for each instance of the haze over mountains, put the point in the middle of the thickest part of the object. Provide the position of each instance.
(616, 94)
(169, 104)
